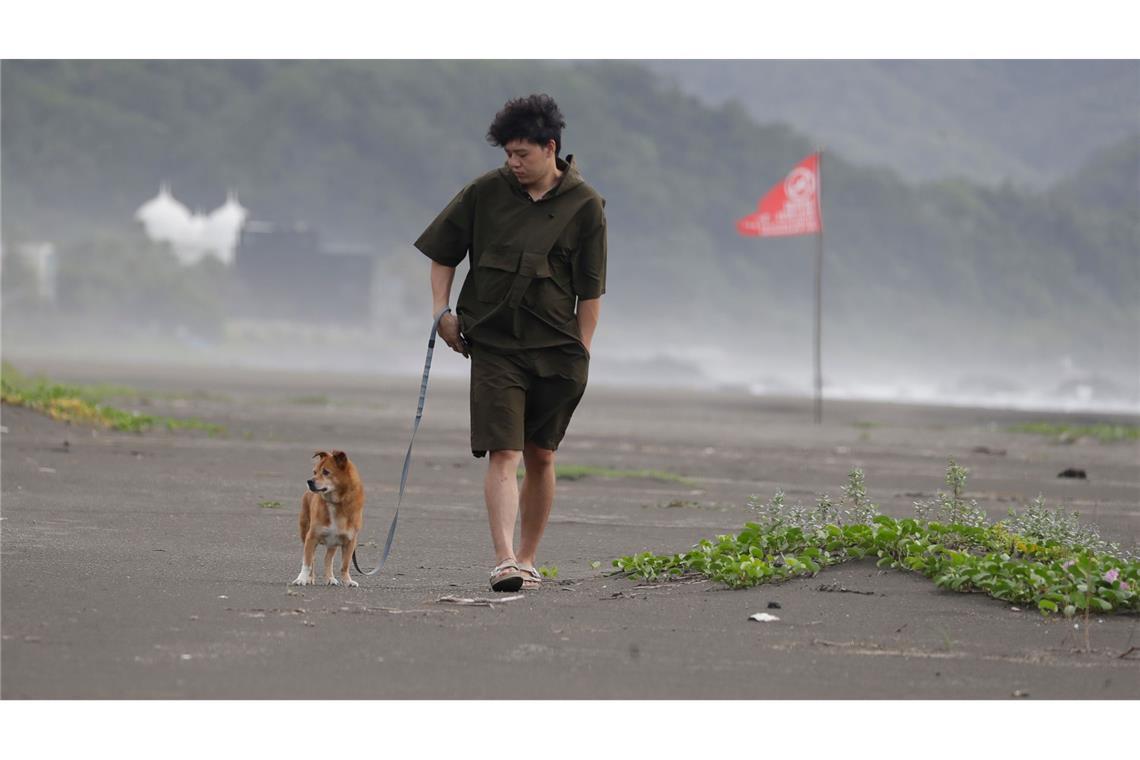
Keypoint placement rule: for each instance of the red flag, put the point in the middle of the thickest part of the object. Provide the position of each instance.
(789, 208)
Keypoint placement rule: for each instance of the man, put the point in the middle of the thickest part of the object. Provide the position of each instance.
(536, 233)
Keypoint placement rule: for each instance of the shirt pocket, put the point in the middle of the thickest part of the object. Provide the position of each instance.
(535, 264)
(497, 268)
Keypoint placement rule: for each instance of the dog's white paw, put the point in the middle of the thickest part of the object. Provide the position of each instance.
(303, 579)
(350, 583)
(332, 582)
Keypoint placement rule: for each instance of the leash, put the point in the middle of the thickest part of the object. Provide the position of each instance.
(408, 456)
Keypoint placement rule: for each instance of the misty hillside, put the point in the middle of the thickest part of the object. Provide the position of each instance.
(1108, 182)
(1028, 122)
(951, 271)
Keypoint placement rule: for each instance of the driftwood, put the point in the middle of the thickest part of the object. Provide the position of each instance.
(476, 602)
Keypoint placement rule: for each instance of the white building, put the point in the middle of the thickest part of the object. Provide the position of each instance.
(40, 258)
(193, 236)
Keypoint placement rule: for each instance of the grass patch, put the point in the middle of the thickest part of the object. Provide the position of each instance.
(1062, 433)
(309, 400)
(577, 472)
(1037, 557)
(680, 504)
(85, 404)
(685, 504)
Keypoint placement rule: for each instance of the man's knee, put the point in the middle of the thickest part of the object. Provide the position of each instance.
(537, 457)
(504, 459)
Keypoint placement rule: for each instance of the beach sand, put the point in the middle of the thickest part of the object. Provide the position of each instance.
(157, 565)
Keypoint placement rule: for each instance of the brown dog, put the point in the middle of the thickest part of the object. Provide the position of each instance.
(332, 513)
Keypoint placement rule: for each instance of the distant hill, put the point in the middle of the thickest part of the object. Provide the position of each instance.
(939, 276)
(1027, 122)
(1108, 182)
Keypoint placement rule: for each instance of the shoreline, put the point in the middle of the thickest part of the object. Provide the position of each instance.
(166, 375)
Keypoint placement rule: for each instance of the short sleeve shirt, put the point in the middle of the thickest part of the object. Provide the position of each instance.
(530, 260)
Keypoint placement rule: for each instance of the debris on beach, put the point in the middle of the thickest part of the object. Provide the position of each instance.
(476, 602)
(774, 605)
(844, 590)
(1073, 472)
(763, 617)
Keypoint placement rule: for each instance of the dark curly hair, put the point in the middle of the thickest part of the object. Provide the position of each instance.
(535, 118)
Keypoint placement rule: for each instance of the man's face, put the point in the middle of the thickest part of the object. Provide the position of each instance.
(529, 161)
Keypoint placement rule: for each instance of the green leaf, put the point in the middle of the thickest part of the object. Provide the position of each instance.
(1101, 604)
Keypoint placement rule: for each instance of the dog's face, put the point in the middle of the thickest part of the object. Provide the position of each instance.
(330, 472)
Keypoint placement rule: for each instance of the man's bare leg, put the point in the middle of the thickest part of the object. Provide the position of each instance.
(501, 491)
(537, 497)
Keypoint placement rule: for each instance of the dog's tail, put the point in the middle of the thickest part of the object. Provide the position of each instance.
(304, 518)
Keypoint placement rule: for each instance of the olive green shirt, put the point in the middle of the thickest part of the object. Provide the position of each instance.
(530, 259)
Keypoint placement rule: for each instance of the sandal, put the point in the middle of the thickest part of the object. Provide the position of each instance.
(533, 578)
(507, 576)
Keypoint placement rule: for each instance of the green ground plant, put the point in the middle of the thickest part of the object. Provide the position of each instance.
(313, 400)
(86, 404)
(1036, 557)
(577, 472)
(1062, 433)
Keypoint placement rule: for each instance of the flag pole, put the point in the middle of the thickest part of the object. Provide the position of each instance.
(819, 294)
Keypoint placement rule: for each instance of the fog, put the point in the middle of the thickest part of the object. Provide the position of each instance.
(272, 227)
(625, 353)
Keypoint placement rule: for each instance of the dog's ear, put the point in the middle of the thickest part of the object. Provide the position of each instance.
(340, 458)
(320, 455)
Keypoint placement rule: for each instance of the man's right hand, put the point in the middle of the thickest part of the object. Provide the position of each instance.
(449, 330)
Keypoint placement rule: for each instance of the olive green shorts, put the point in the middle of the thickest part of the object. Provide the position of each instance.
(524, 396)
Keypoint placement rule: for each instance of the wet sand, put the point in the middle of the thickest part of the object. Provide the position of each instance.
(145, 566)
